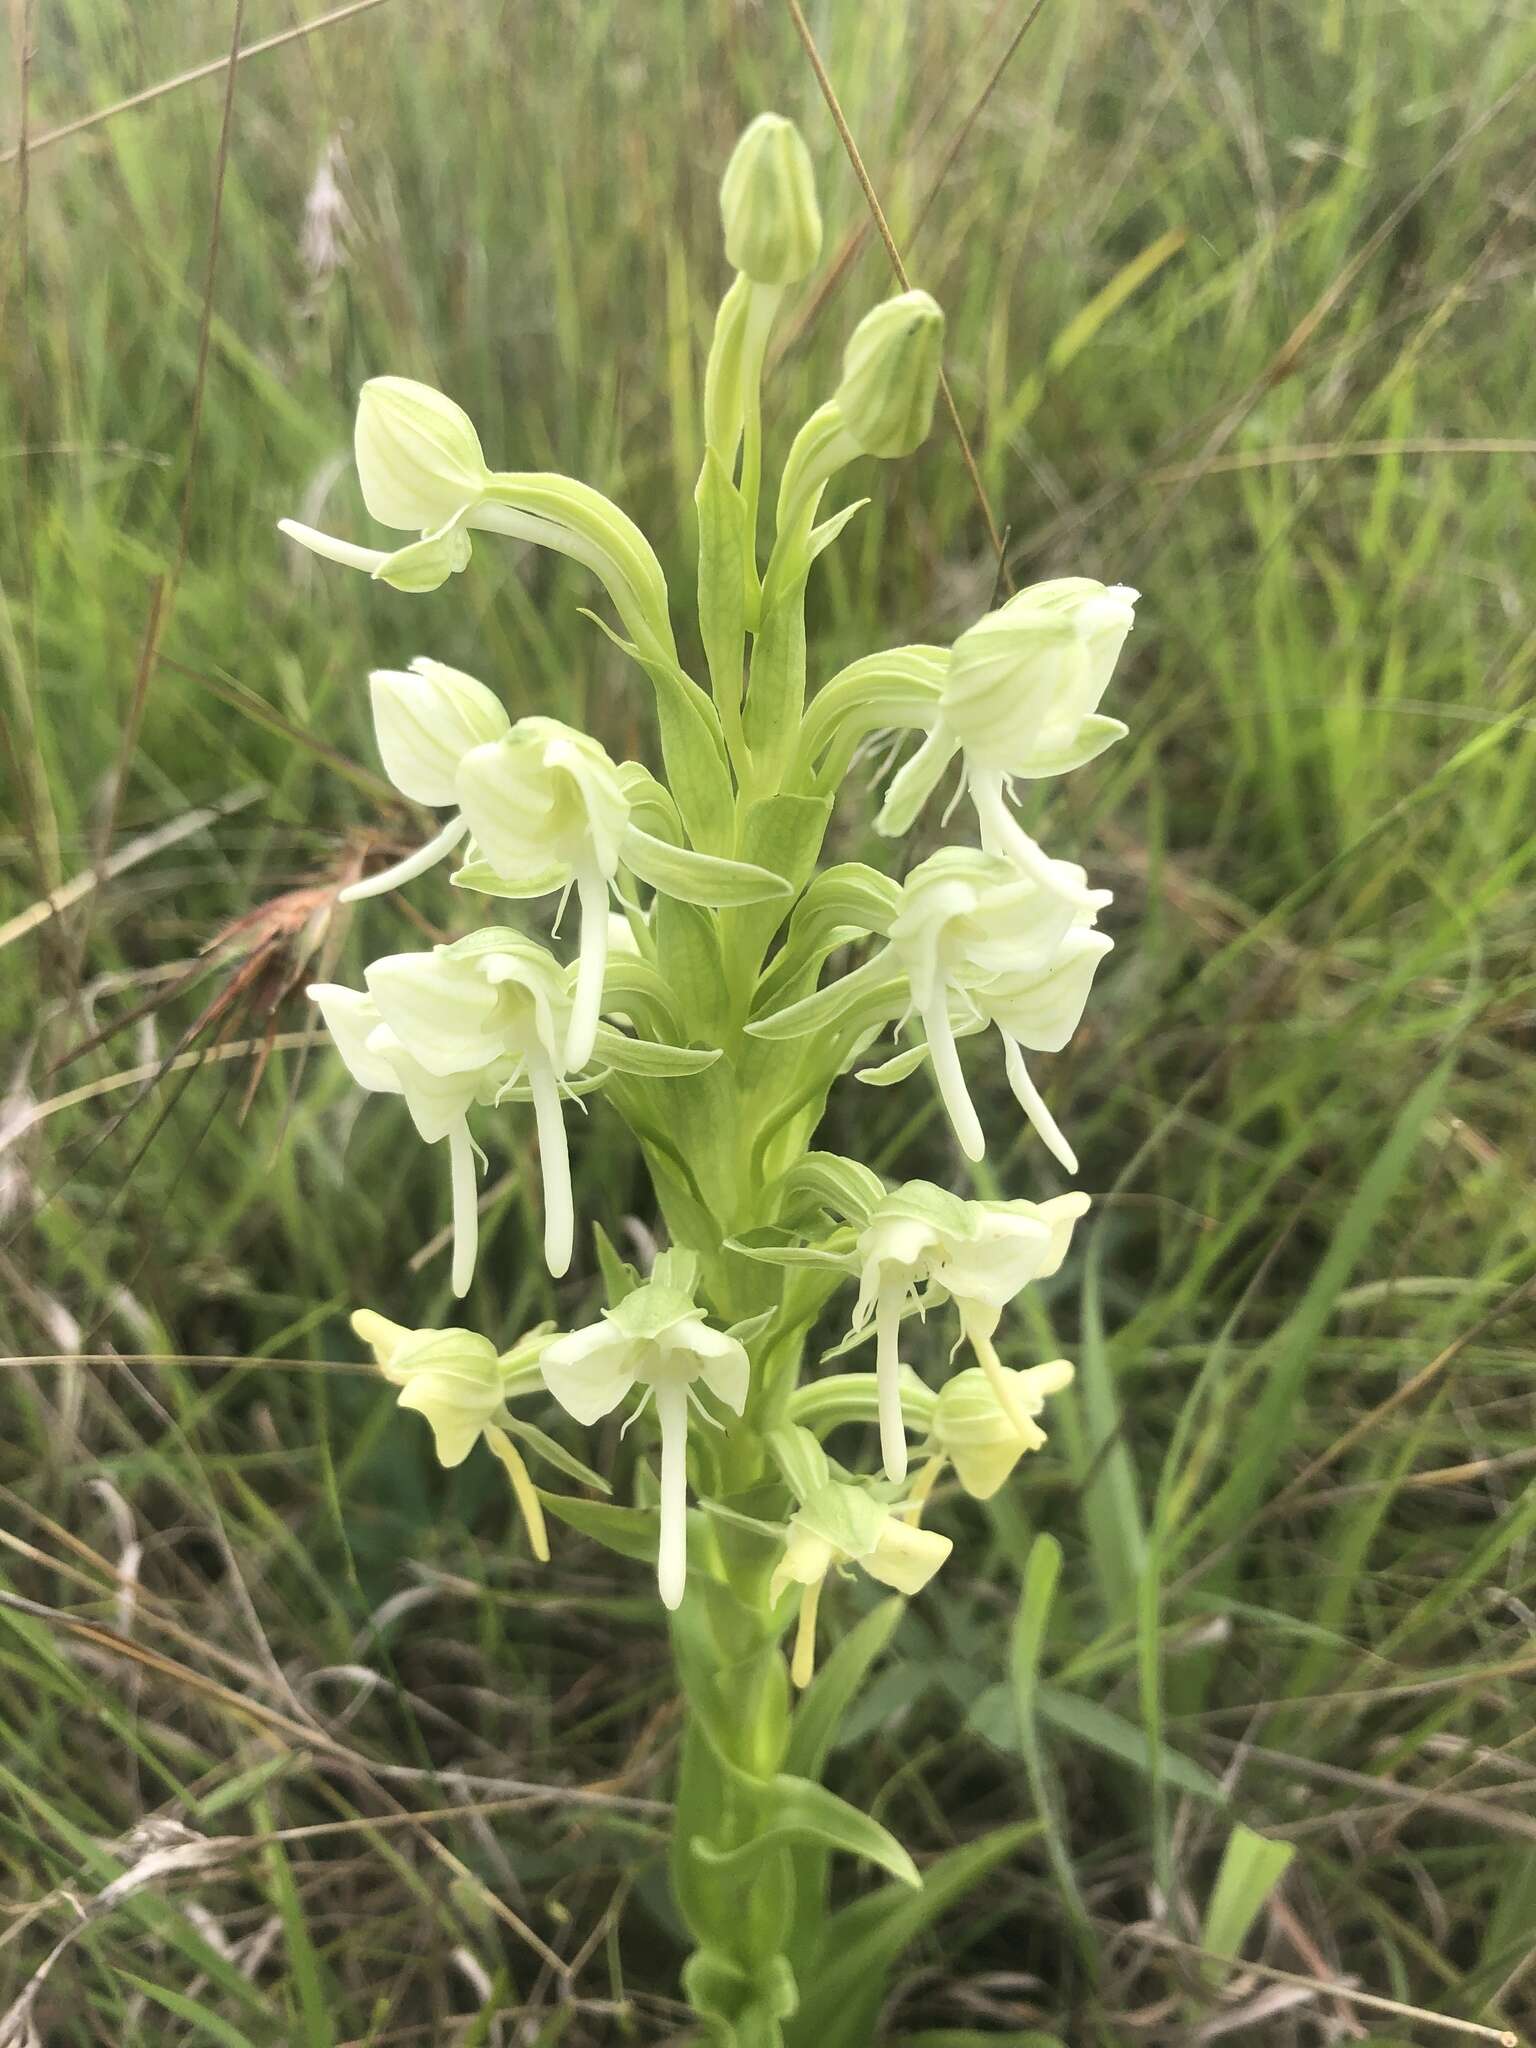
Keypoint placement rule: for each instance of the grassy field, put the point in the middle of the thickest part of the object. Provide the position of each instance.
(296, 1745)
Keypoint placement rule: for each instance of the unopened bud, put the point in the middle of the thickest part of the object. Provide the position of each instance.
(768, 203)
(891, 375)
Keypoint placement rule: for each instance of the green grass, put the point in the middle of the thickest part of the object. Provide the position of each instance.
(1293, 1576)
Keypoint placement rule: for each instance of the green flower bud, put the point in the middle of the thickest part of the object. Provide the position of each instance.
(768, 203)
(418, 455)
(891, 375)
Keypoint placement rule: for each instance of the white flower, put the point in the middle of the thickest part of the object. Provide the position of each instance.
(1020, 697)
(426, 719)
(984, 1431)
(838, 1525)
(475, 1022)
(656, 1338)
(439, 1104)
(973, 943)
(421, 469)
(923, 1244)
(547, 809)
(461, 1384)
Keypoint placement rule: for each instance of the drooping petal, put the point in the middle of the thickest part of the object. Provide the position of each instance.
(1032, 1102)
(330, 549)
(352, 1018)
(589, 1371)
(950, 1076)
(723, 1364)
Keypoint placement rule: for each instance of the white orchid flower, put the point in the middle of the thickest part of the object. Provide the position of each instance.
(549, 810)
(924, 1245)
(983, 1431)
(422, 470)
(475, 1022)
(657, 1339)
(1019, 699)
(973, 944)
(838, 1525)
(461, 1384)
(439, 1104)
(425, 720)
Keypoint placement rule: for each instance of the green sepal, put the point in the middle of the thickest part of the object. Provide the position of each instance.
(479, 875)
(699, 877)
(619, 1276)
(843, 1515)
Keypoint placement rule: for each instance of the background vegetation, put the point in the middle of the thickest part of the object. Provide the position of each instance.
(1240, 303)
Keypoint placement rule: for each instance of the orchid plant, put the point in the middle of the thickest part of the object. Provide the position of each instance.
(719, 988)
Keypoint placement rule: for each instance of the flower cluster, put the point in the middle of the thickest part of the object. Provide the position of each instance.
(692, 991)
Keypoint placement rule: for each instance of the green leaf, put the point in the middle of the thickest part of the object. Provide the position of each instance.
(1251, 1867)
(722, 577)
(689, 959)
(776, 690)
(620, 1278)
(691, 746)
(1042, 1570)
(704, 878)
(803, 1812)
(553, 1453)
(1265, 1435)
(831, 1692)
(653, 1061)
(995, 1718)
(211, 2024)
(843, 1984)
(628, 1532)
